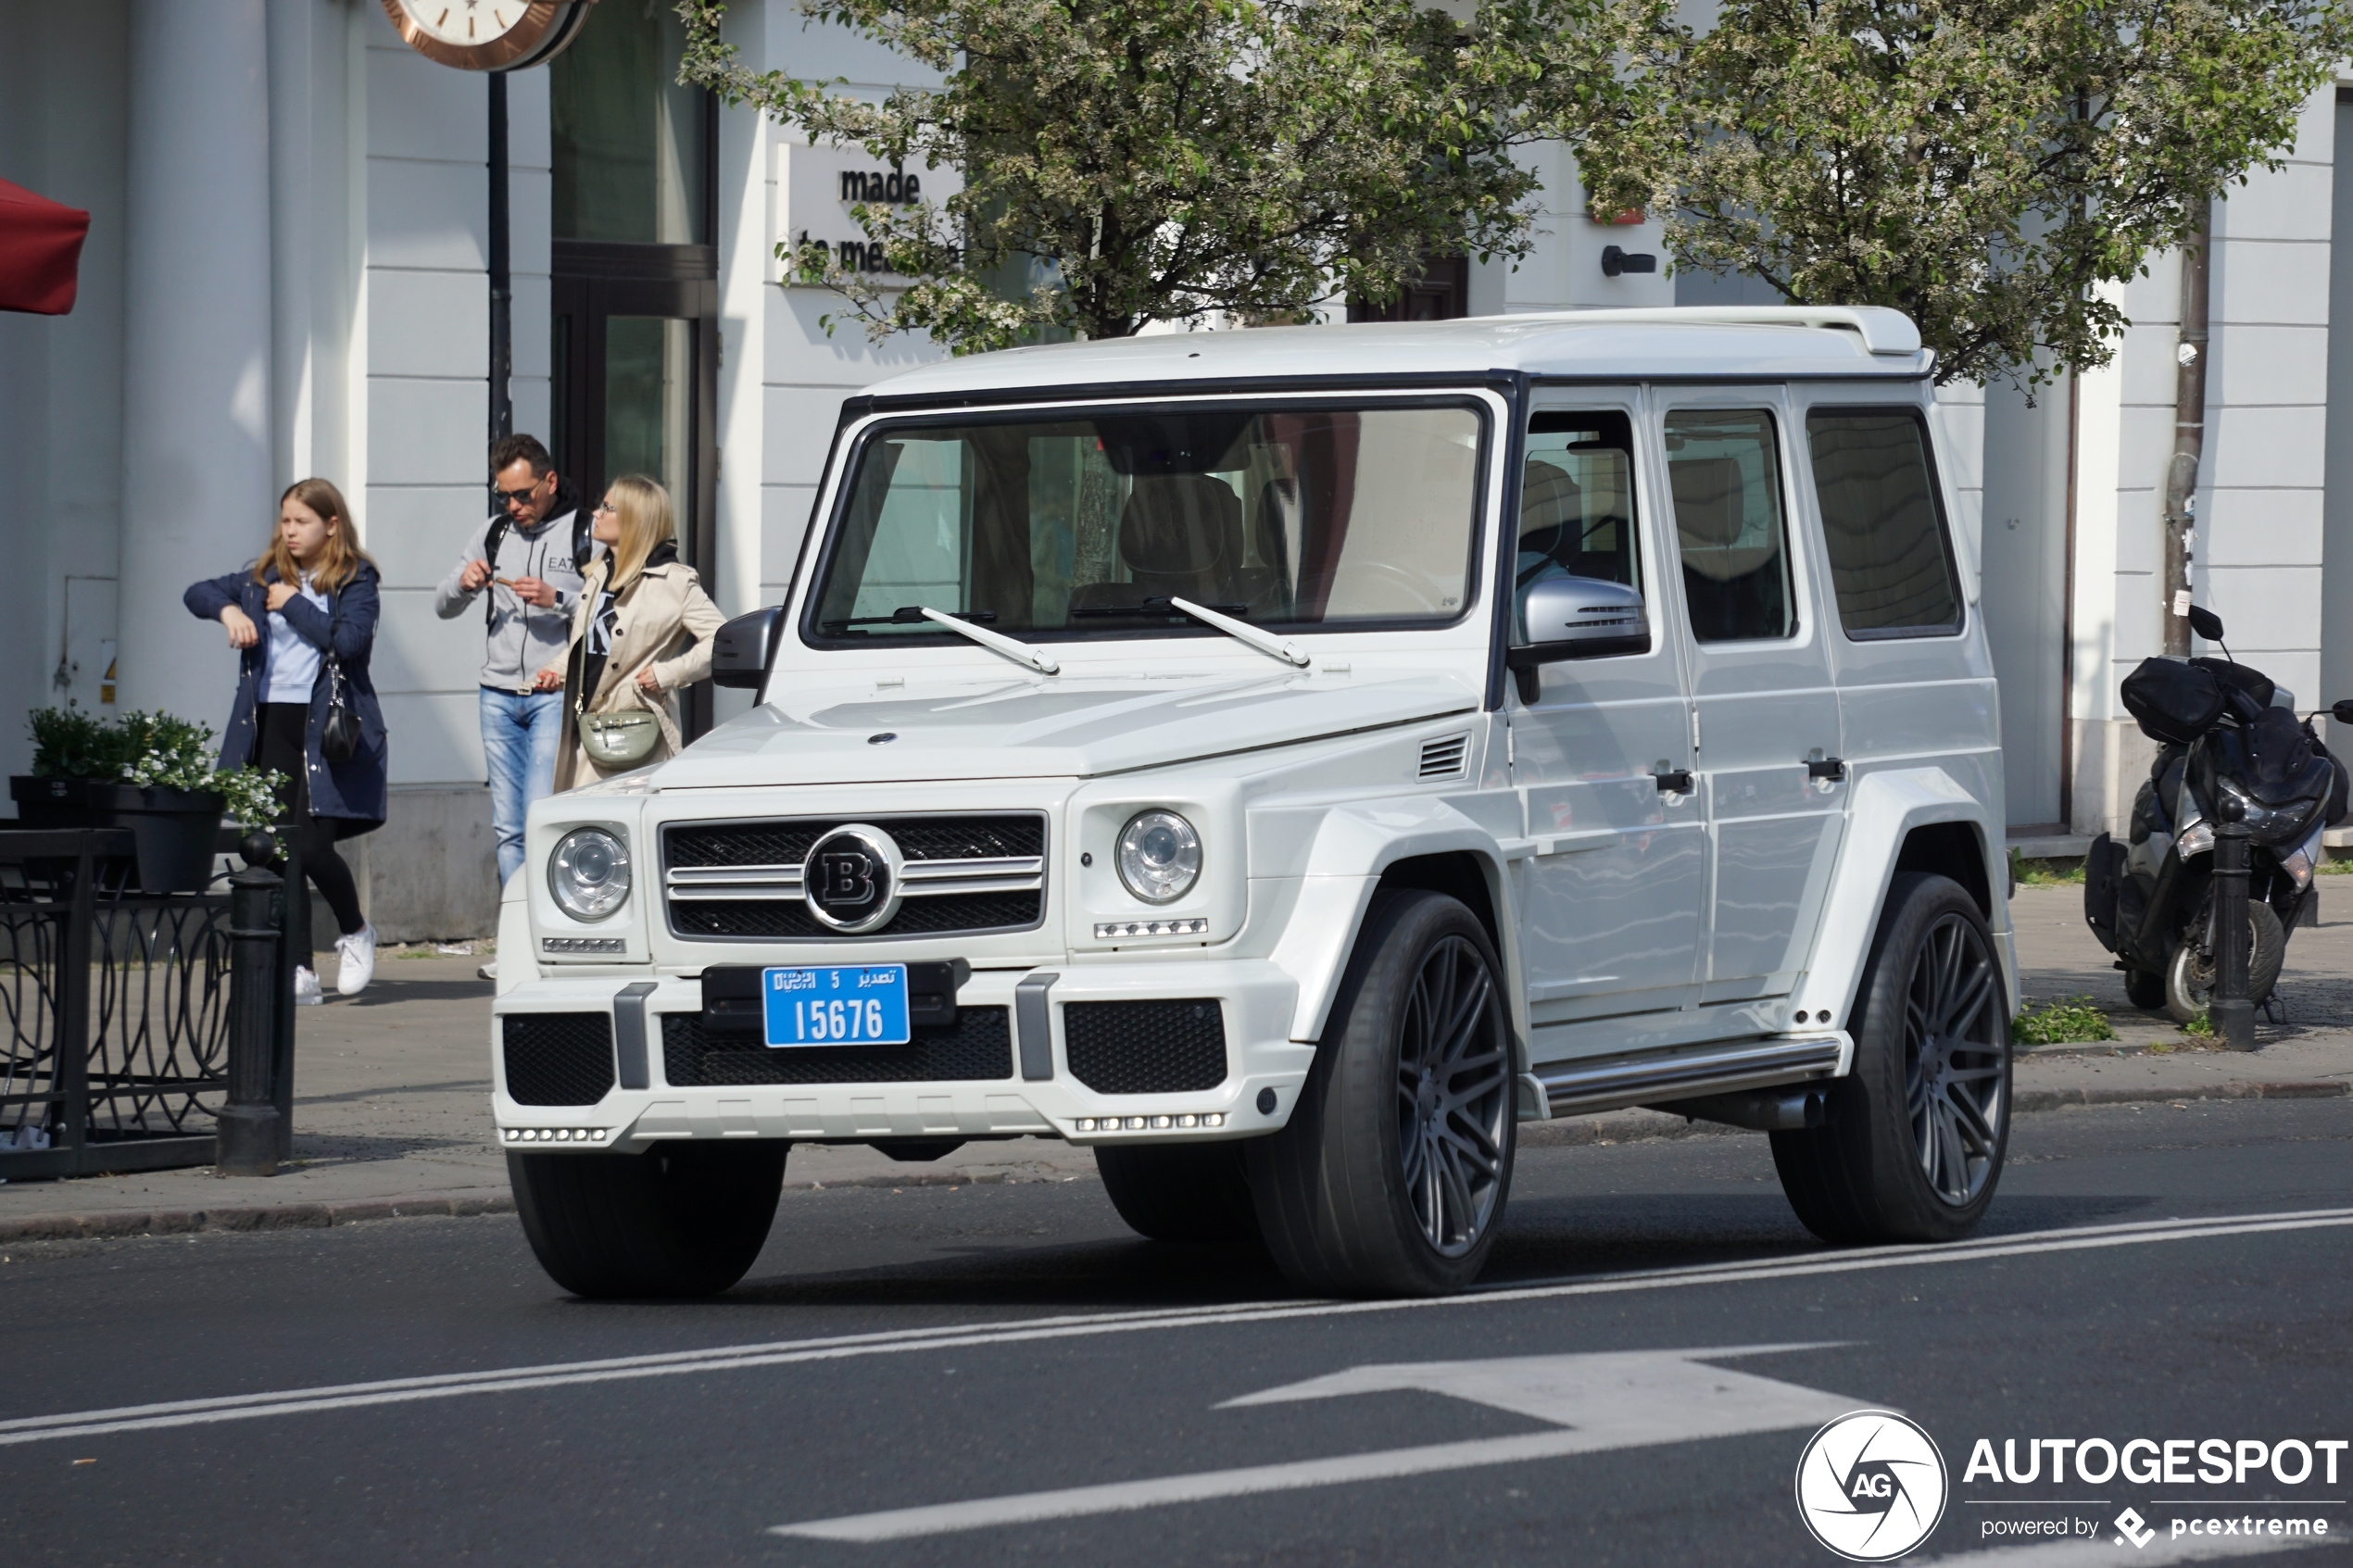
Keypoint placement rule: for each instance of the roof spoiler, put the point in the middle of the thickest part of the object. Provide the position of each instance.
(1883, 330)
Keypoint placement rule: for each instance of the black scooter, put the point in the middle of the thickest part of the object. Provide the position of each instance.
(2222, 730)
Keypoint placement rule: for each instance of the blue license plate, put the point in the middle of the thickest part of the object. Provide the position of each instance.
(836, 1005)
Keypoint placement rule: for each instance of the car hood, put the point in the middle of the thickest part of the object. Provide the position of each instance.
(1029, 729)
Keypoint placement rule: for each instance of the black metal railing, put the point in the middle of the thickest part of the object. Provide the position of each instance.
(118, 1011)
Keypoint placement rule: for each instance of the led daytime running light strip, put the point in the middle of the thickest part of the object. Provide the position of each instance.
(1154, 1123)
(556, 1135)
(1109, 929)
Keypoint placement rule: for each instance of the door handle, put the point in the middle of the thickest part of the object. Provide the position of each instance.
(1675, 782)
(1825, 767)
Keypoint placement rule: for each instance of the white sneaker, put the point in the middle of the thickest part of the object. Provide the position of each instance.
(356, 961)
(488, 970)
(307, 992)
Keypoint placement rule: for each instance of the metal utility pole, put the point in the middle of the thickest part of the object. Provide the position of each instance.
(2189, 433)
(502, 291)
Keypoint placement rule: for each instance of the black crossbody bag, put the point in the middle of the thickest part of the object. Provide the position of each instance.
(339, 736)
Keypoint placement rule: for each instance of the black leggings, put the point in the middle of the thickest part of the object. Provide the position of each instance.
(281, 745)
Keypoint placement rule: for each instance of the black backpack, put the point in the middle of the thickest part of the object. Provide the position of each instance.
(583, 544)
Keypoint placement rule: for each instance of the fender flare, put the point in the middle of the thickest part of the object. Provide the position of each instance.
(1354, 845)
(1887, 806)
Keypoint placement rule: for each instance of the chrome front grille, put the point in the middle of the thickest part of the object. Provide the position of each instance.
(737, 880)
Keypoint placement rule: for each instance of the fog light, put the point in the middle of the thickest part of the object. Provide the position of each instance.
(1134, 1124)
(1214, 1119)
(1163, 1122)
(1188, 1121)
(1086, 1124)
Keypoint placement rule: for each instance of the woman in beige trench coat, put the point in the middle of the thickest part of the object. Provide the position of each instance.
(642, 631)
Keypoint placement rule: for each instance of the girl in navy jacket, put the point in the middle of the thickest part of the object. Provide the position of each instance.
(312, 596)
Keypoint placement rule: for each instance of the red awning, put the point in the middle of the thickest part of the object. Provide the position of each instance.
(40, 248)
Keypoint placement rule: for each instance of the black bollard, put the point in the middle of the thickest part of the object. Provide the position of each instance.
(249, 1122)
(2228, 1009)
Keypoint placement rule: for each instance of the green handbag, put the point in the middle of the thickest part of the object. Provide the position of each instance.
(618, 740)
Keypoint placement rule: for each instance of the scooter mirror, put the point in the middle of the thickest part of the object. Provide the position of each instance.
(2343, 712)
(2206, 623)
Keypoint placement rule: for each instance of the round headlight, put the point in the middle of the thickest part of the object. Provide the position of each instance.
(589, 873)
(1159, 855)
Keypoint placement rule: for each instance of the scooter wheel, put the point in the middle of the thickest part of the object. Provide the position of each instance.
(2189, 977)
(2145, 988)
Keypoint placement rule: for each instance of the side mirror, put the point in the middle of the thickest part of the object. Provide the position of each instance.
(2206, 623)
(1577, 618)
(743, 649)
(2343, 710)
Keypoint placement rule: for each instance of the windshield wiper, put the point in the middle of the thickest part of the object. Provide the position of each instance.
(995, 642)
(907, 615)
(1158, 605)
(1243, 632)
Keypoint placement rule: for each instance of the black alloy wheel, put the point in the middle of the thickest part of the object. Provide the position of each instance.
(1454, 1096)
(1917, 1131)
(1391, 1176)
(1956, 1059)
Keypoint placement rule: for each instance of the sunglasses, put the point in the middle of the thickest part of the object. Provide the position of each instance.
(515, 497)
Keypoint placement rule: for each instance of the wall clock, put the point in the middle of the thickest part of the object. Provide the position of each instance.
(487, 35)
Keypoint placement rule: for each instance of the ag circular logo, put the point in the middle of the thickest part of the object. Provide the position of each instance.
(1870, 1486)
(850, 878)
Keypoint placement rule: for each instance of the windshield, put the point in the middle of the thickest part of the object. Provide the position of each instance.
(1089, 524)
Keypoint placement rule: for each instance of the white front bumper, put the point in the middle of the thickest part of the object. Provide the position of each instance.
(1255, 999)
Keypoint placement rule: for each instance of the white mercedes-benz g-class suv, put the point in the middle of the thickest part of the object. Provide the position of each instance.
(1283, 760)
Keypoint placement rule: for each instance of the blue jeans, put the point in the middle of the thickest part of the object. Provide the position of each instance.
(519, 732)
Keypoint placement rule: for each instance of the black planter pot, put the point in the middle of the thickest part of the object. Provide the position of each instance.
(175, 830)
(55, 803)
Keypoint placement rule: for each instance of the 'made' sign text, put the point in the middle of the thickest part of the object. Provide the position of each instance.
(817, 187)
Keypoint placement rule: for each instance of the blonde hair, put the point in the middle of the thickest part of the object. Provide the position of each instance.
(643, 507)
(338, 563)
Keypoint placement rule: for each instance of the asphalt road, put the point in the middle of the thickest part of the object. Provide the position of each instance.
(1001, 1374)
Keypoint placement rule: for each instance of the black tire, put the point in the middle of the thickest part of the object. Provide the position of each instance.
(1195, 1195)
(682, 1219)
(1391, 1176)
(2145, 988)
(2188, 979)
(1913, 1145)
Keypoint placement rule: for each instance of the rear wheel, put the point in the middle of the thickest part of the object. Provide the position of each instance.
(1192, 1194)
(1391, 1176)
(1916, 1134)
(682, 1219)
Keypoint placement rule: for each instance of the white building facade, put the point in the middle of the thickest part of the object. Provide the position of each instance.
(288, 274)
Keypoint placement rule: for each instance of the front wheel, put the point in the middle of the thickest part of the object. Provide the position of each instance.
(1917, 1131)
(682, 1219)
(1391, 1176)
(2189, 977)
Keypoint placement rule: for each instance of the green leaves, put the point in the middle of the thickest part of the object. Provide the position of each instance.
(1134, 161)
(1987, 167)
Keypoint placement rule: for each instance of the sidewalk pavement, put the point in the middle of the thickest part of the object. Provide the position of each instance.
(391, 1112)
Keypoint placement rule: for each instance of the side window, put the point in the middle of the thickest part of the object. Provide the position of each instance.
(1720, 465)
(1891, 561)
(1576, 503)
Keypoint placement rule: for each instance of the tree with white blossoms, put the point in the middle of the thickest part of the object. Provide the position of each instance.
(1168, 159)
(1984, 166)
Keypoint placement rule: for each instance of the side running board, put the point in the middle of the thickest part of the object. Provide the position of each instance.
(1656, 1078)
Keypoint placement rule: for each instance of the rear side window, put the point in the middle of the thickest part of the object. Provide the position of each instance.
(1722, 467)
(1890, 559)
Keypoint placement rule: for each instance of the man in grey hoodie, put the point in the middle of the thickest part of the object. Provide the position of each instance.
(526, 556)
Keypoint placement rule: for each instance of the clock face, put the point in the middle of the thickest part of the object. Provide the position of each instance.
(465, 22)
(487, 35)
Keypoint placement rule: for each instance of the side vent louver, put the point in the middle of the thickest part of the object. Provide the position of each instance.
(1443, 758)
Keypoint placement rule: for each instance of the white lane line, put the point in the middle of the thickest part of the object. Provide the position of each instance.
(192, 1413)
(2082, 1554)
(1606, 1401)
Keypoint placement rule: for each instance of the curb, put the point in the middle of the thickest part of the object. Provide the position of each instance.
(253, 1217)
(2307, 1088)
(1613, 1127)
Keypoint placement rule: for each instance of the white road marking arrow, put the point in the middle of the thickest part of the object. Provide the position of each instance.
(1614, 1399)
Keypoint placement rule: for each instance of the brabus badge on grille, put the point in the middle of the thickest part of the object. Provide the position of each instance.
(850, 879)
